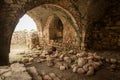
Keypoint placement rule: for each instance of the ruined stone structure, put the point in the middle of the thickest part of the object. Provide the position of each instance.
(28, 39)
(19, 38)
(91, 24)
(32, 39)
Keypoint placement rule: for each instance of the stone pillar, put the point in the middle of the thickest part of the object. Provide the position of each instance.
(7, 24)
(4, 50)
(8, 19)
(6, 30)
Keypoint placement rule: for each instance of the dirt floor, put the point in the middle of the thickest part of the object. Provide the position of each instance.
(104, 73)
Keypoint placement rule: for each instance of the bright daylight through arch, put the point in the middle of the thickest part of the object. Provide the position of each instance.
(26, 23)
(20, 36)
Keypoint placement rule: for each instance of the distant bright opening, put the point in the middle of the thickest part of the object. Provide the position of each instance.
(20, 38)
(26, 23)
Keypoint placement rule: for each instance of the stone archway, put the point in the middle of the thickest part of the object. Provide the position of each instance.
(56, 30)
(53, 30)
(43, 15)
(12, 13)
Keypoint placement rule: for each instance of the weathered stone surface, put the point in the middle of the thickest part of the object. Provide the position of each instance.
(32, 39)
(32, 70)
(25, 60)
(47, 77)
(80, 70)
(67, 59)
(86, 66)
(52, 75)
(16, 67)
(62, 67)
(81, 62)
(90, 71)
(7, 74)
(75, 68)
(8, 1)
(113, 60)
(4, 70)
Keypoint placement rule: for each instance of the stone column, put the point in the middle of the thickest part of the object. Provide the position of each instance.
(8, 19)
(4, 50)
(6, 30)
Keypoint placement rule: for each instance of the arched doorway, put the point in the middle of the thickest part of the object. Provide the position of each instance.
(56, 30)
(50, 18)
(22, 37)
(15, 14)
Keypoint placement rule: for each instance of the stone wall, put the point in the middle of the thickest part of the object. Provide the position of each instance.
(69, 34)
(32, 39)
(98, 34)
(103, 31)
(105, 39)
(58, 32)
(19, 38)
(25, 38)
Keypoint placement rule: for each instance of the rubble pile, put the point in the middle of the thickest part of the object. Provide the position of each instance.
(80, 62)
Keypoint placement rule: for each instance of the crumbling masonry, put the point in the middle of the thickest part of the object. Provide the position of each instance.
(89, 24)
